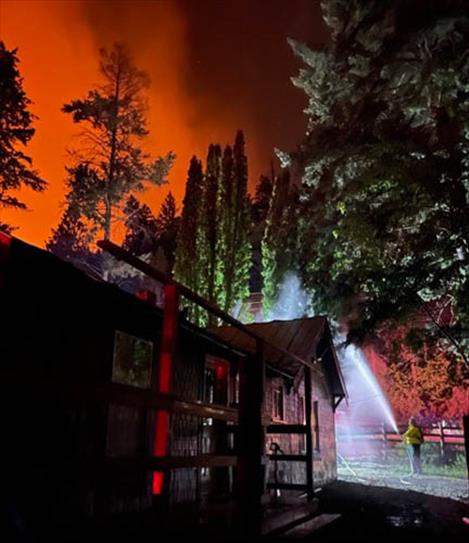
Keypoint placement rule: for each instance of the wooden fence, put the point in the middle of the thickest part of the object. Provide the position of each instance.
(441, 434)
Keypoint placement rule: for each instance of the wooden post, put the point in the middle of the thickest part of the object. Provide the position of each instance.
(441, 433)
(465, 425)
(250, 443)
(309, 434)
(384, 445)
(163, 376)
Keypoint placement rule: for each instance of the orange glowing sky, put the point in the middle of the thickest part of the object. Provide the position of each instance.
(58, 42)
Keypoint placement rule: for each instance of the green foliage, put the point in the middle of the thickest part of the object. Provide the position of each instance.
(213, 255)
(15, 133)
(382, 226)
(209, 235)
(279, 251)
(187, 268)
(235, 226)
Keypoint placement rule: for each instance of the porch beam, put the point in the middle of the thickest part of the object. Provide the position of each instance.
(309, 433)
(288, 457)
(250, 443)
(286, 429)
(150, 271)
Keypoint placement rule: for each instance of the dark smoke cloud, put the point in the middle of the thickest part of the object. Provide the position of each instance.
(240, 65)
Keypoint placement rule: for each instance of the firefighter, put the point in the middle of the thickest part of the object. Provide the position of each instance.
(413, 438)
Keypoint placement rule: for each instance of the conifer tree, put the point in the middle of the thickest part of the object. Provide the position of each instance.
(279, 251)
(385, 162)
(168, 225)
(187, 264)
(70, 240)
(210, 219)
(15, 132)
(213, 255)
(114, 125)
(235, 221)
(259, 210)
(262, 198)
(141, 227)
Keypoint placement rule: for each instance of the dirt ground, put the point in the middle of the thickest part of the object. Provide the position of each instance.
(384, 476)
(378, 514)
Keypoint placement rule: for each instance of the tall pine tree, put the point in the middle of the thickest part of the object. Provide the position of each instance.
(388, 125)
(187, 267)
(235, 225)
(168, 225)
(213, 255)
(15, 132)
(210, 219)
(114, 126)
(75, 231)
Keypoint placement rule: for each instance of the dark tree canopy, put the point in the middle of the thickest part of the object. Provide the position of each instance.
(69, 240)
(141, 228)
(187, 256)
(15, 133)
(383, 216)
(113, 117)
(168, 223)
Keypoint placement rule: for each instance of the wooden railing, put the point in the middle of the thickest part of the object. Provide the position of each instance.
(442, 435)
(113, 393)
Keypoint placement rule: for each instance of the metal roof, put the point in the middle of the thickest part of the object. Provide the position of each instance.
(300, 337)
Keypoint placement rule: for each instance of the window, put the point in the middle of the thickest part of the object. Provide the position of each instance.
(132, 365)
(132, 360)
(278, 403)
(315, 422)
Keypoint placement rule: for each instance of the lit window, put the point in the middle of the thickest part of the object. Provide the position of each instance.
(132, 360)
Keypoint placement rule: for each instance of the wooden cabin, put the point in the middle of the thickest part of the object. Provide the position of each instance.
(285, 397)
(112, 407)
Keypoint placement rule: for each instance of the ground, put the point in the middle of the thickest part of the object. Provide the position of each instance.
(382, 475)
(377, 513)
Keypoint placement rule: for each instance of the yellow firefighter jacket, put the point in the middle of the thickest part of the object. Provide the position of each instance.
(413, 435)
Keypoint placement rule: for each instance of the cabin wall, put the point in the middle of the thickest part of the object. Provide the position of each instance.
(57, 328)
(324, 468)
(188, 371)
(192, 435)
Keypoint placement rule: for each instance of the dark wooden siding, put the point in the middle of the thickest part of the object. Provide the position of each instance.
(324, 469)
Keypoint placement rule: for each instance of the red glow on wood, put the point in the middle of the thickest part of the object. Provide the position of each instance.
(168, 344)
(162, 425)
(146, 296)
(221, 370)
(158, 480)
(5, 243)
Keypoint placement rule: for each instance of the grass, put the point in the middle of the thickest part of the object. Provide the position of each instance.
(397, 463)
